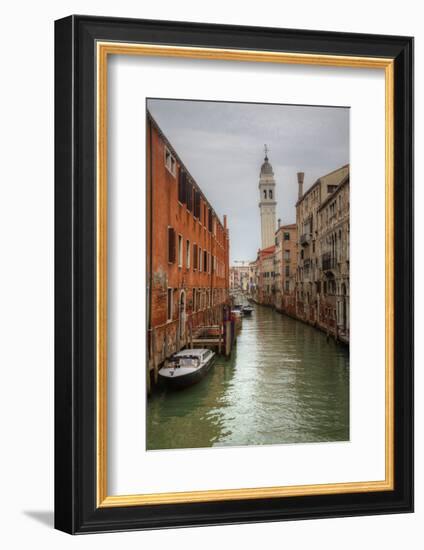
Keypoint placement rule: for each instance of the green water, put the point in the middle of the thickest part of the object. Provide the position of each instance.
(283, 384)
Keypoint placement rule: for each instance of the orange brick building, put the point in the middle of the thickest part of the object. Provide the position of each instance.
(187, 252)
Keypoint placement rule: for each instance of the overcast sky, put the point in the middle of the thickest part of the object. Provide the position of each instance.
(222, 145)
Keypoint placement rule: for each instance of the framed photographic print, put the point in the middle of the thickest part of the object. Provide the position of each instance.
(233, 269)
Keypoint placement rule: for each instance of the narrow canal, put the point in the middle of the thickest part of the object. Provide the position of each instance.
(283, 384)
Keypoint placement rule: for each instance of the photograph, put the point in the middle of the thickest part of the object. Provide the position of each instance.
(247, 270)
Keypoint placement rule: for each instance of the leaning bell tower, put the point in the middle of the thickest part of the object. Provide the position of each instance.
(267, 202)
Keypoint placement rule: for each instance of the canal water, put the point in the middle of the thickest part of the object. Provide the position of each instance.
(285, 383)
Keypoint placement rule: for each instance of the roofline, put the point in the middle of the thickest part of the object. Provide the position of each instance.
(266, 251)
(288, 226)
(170, 146)
(344, 182)
(319, 181)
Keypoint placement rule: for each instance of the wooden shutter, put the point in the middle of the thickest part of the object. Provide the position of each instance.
(197, 204)
(195, 256)
(182, 186)
(209, 220)
(189, 196)
(171, 245)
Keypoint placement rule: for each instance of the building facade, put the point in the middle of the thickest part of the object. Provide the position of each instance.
(285, 266)
(187, 252)
(253, 280)
(334, 241)
(265, 276)
(305, 272)
(239, 277)
(316, 286)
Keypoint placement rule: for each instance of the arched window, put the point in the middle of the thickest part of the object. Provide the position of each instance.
(264, 193)
(270, 194)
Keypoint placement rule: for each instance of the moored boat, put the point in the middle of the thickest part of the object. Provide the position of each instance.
(237, 310)
(247, 310)
(187, 367)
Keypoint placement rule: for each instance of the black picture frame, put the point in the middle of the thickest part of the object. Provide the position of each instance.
(76, 510)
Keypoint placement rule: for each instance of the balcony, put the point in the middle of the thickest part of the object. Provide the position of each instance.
(305, 238)
(327, 262)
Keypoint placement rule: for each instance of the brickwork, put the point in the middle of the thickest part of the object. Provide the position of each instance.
(187, 251)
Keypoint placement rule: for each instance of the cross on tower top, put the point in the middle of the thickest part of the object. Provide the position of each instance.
(266, 149)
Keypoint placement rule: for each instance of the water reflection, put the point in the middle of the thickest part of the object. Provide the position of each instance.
(283, 384)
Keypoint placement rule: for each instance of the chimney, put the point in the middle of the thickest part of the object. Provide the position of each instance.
(300, 176)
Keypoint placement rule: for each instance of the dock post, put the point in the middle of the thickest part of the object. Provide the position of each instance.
(228, 342)
(191, 335)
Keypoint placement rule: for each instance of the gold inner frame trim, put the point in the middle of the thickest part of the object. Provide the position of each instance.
(104, 49)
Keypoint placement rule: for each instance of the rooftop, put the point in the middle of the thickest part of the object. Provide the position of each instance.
(176, 155)
(319, 180)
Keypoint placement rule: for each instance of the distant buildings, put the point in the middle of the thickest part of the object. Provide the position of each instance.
(265, 276)
(239, 276)
(304, 271)
(285, 268)
(187, 252)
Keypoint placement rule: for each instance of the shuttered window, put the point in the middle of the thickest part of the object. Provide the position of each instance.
(205, 261)
(197, 204)
(189, 196)
(180, 251)
(195, 263)
(188, 254)
(171, 245)
(209, 220)
(182, 186)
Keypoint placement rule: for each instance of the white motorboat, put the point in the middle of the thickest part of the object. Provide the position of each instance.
(187, 367)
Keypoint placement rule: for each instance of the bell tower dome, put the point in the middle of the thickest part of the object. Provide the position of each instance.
(267, 202)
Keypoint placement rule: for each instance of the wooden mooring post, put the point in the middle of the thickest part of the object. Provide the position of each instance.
(228, 339)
